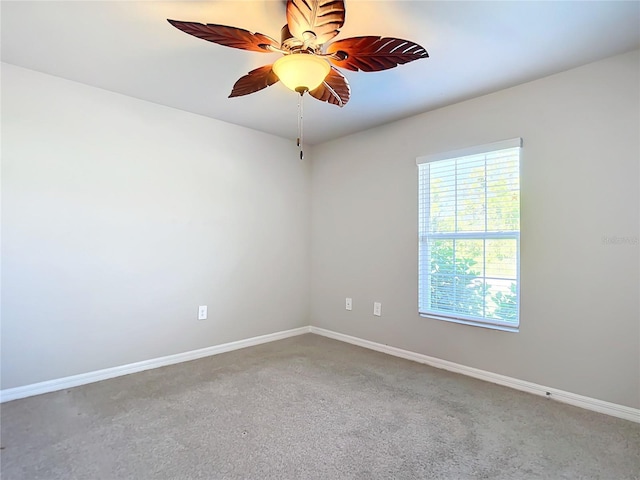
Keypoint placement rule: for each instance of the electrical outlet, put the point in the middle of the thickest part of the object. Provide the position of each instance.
(377, 309)
(349, 304)
(202, 312)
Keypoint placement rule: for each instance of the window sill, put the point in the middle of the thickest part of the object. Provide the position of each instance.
(492, 326)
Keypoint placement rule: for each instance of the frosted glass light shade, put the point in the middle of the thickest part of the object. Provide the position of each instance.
(301, 71)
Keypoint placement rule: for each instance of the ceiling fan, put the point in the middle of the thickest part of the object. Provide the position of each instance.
(307, 65)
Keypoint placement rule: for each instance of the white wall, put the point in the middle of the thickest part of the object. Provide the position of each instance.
(580, 318)
(120, 217)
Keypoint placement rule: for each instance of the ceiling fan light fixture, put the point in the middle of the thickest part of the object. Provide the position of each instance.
(301, 72)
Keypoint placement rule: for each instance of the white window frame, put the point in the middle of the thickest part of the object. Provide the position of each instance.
(422, 237)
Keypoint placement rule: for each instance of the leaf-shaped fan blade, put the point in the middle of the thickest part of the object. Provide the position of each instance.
(254, 81)
(324, 18)
(227, 36)
(372, 54)
(335, 89)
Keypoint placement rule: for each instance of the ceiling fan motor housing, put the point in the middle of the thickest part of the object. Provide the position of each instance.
(291, 44)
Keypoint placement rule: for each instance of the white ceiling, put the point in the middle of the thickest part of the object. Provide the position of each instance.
(475, 48)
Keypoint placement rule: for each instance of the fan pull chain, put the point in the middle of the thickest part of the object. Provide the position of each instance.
(300, 123)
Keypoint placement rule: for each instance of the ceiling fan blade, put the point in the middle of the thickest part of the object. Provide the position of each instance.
(254, 81)
(334, 90)
(315, 20)
(227, 36)
(372, 54)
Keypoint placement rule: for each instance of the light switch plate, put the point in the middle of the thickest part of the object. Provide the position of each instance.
(349, 304)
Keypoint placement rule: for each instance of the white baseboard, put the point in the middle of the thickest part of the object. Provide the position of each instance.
(98, 375)
(600, 406)
(608, 408)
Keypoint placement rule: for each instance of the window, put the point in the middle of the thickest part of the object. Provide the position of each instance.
(469, 235)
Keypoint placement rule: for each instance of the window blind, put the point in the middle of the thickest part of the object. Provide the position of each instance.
(469, 235)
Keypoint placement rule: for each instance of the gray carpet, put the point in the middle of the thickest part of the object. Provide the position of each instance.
(308, 408)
